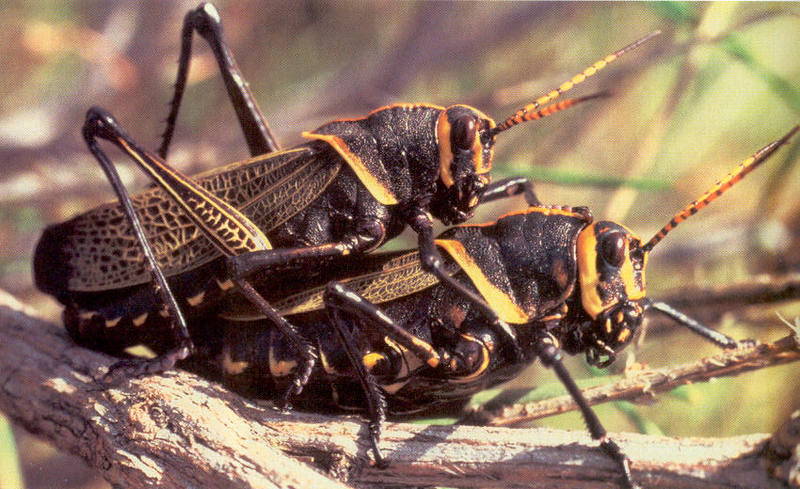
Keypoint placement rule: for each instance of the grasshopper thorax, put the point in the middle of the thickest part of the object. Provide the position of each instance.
(466, 148)
(611, 265)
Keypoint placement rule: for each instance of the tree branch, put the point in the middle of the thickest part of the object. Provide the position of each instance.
(178, 430)
(170, 432)
(635, 385)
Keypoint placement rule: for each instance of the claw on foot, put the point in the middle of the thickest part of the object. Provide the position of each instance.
(140, 367)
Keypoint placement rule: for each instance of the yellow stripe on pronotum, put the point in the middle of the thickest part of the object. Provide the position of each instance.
(499, 300)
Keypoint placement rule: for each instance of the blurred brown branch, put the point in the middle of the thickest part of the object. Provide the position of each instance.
(753, 301)
(756, 290)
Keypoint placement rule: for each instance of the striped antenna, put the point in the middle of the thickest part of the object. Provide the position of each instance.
(551, 109)
(531, 111)
(720, 187)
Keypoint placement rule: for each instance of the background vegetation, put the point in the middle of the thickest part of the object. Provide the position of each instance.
(722, 81)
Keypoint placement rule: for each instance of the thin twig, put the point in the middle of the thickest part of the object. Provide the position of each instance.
(646, 383)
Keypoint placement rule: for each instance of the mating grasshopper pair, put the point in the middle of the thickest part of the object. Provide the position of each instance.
(229, 251)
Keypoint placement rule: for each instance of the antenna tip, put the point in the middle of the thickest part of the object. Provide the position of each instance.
(603, 94)
(635, 44)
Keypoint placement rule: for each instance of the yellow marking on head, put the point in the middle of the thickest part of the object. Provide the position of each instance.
(481, 165)
(110, 323)
(589, 276)
(587, 271)
(378, 189)
(139, 320)
(197, 299)
(445, 150)
(501, 302)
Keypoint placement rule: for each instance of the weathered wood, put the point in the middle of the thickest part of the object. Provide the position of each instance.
(783, 452)
(178, 430)
(159, 432)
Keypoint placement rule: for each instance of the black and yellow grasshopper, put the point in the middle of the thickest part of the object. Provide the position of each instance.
(392, 337)
(354, 185)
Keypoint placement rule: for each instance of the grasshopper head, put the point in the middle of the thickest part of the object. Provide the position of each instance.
(611, 265)
(466, 138)
(466, 149)
(611, 262)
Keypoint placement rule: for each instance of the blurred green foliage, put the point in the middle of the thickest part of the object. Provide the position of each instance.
(722, 81)
(9, 467)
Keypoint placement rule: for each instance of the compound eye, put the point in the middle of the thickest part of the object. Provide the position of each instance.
(612, 248)
(463, 132)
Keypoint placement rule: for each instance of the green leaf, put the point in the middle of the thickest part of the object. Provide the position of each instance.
(683, 13)
(734, 46)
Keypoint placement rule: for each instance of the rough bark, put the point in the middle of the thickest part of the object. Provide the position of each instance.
(178, 430)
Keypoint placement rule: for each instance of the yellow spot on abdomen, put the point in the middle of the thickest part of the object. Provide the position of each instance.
(196, 300)
(227, 284)
(110, 323)
(230, 366)
(280, 368)
(139, 320)
(86, 315)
